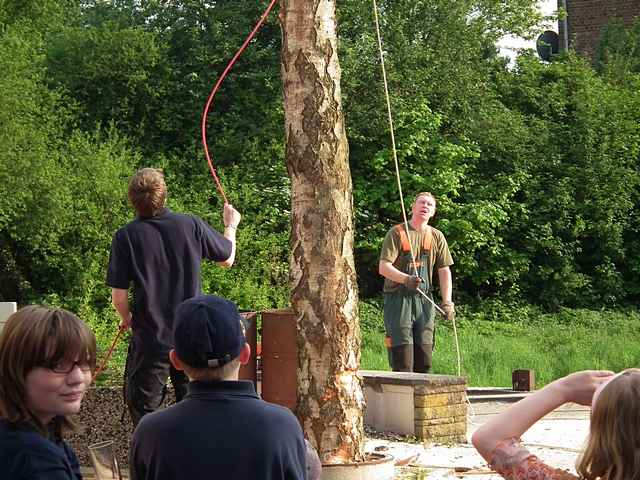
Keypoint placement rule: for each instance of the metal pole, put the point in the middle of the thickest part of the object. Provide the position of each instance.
(564, 26)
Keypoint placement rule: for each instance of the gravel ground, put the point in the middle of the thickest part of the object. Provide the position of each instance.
(556, 439)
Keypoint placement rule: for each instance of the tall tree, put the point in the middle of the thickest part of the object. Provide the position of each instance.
(322, 275)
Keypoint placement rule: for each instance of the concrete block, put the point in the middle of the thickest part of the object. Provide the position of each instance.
(390, 408)
(425, 405)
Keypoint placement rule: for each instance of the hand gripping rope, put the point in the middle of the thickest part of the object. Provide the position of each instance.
(215, 90)
(206, 150)
(395, 161)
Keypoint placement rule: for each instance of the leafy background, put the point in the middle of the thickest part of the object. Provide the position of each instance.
(535, 167)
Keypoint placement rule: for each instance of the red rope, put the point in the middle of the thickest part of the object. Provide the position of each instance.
(206, 149)
(214, 91)
(108, 355)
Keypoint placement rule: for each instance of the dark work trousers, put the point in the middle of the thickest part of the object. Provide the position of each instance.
(411, 358)
(409, 320)
(148, 369)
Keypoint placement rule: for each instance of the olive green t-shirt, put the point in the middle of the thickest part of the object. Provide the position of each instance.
(439, 255)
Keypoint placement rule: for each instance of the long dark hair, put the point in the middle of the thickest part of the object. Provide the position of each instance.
(613, 448)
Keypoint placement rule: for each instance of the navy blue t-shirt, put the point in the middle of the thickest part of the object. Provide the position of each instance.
(220, 430)
(27, 455)
(161, 257)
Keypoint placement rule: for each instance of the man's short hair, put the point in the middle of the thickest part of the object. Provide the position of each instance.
(148, 192)
(425, 194)
(209, 374)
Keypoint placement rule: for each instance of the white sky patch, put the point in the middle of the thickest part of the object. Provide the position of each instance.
(510, 45)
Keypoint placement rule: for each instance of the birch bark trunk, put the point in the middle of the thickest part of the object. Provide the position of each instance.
(324, 292)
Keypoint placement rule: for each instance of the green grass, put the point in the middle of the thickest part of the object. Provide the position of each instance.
(552, 345)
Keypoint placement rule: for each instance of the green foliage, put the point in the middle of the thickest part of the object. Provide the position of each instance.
(177, 52)
(61, 210)
(579, 194)
(535, 168)
(43, 15)
(617, 55)
(107, 72)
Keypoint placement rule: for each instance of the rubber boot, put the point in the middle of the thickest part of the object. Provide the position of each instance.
(422, 355)
(402, 358)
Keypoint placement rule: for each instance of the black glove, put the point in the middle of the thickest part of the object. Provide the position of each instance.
(412, 282)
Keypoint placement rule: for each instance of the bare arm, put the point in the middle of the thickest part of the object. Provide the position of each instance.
(444, 279)
(517, 419)
(387, 270)
(231, 218)
(120, 300)
(229, 234)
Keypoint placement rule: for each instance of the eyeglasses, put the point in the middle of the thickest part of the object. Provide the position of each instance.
(67, 367)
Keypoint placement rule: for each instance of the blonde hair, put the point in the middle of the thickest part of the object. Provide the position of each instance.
(148, 191)
(613, 447)
(37, 336)
(425, 194)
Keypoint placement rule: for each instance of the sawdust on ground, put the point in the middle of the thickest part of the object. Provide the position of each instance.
(556, 439)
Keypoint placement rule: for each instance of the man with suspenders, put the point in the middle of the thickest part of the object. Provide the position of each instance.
(409, 318)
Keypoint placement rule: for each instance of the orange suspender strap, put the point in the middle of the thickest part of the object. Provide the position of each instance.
(404, 240)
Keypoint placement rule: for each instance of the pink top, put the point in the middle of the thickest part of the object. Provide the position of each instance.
(514, 462)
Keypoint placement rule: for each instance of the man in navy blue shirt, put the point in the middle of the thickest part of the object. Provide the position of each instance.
(221, 429)
(158, 255)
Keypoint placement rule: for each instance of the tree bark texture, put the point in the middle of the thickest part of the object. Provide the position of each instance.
(324, 291)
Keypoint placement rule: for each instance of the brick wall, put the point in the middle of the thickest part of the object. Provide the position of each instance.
(441, 412)
(586, 18)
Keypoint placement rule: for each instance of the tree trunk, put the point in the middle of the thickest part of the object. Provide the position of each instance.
(324, 292)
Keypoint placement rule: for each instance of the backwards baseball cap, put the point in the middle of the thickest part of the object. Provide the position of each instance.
(207, 331)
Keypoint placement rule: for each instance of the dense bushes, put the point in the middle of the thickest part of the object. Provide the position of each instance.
(535, 167)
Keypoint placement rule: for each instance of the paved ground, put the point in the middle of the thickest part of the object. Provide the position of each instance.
(555, 439)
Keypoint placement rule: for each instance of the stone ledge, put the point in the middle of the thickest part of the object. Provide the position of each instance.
(429, 380)
(431, 407)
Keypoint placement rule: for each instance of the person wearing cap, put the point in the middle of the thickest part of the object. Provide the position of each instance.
(159, 255)
(221, 429)
(409, 318)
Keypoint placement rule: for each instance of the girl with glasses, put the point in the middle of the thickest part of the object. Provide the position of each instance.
(47, 357)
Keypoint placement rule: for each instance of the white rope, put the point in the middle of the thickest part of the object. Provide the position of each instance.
(395, 162)
(393, 138)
